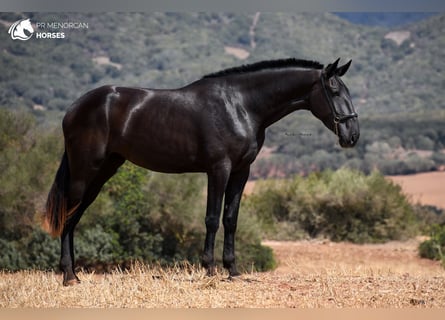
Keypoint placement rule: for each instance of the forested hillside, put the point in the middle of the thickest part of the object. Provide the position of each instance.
(396, 79)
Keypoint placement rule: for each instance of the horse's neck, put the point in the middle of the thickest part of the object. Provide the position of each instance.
(280, 93)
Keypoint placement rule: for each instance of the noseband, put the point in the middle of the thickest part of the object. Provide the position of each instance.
(338, 117)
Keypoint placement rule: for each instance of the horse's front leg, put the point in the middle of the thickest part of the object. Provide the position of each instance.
(232, 201)
(217, 181)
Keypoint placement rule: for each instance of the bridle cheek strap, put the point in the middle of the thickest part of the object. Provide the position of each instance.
(337, 117)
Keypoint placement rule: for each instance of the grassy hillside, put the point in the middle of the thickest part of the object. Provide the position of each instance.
(164, 50)
(389, 80)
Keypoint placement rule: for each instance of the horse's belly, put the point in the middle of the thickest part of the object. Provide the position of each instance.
(167, 165)
(162, 156)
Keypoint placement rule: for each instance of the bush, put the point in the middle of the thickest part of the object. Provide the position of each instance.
(41, 251)
(256, 257)
(94, 246)
(434, 248)
(11, 258)
(344, 205)
(428, 216)
(35, 251)
(25, 165)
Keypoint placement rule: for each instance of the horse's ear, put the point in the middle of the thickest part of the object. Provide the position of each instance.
(342, 70)
(330, 70)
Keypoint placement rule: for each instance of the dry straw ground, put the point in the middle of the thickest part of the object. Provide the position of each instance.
(310, 274)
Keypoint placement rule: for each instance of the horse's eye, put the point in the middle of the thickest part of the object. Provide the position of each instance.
(333, 84)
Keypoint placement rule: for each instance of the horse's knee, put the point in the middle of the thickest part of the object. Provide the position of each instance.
(229, 223)
(212, 224)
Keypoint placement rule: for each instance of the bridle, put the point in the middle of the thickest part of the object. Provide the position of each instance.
(338, 117)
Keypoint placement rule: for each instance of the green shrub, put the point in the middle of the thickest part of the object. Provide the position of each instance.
(434, 248)
(95, 246)
(256, 257)
(41, 251)
(37, 250)
(11, 257)
(342, 205)
(428, 216)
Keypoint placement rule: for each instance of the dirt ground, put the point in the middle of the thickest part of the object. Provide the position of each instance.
(316, 255)
(381, 275)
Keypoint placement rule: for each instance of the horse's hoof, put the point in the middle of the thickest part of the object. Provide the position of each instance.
(233, 271)
(71, 282)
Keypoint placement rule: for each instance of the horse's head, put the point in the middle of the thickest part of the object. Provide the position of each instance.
(331, 103)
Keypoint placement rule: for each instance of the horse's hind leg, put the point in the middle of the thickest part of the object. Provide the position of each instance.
(86, 185)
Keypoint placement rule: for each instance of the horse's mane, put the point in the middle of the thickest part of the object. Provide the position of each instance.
(269, 64)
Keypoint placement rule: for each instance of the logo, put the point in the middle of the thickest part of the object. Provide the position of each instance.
(21, 30)
(24, 30)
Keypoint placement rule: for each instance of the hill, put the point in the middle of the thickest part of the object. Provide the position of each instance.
(172, 49)
(396, 79)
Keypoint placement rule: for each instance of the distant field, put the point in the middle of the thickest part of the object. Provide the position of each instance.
(425, 188)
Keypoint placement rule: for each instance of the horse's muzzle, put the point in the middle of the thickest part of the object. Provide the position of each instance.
(350, 141)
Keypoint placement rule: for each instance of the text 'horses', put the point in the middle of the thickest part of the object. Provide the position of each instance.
(215, 125)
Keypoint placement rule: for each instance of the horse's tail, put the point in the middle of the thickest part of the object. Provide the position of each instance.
(57, 211)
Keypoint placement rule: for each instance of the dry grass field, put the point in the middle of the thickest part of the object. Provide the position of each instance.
(311, 274)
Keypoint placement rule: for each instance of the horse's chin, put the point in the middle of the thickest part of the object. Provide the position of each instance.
(347, 143)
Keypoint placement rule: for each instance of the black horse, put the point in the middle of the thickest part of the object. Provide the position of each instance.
(215, 125)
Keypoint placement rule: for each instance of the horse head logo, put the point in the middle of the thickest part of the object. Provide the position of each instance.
(18, 28)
